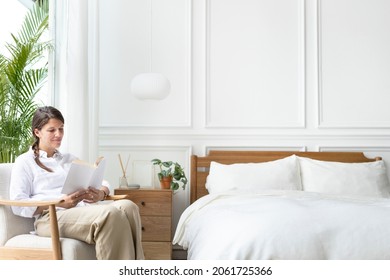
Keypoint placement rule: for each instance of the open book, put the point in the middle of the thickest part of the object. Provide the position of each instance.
(83, 175)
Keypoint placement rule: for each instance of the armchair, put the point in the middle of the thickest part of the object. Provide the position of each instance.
(16, 239)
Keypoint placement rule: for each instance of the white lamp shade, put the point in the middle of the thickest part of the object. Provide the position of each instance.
(150, 86)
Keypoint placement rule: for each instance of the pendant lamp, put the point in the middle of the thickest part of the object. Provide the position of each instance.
(150, 85)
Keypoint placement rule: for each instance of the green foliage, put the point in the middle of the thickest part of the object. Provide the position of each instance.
(21, 78)
(173, 169)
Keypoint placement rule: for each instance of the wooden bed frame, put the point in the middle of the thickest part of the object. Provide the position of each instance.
(200, 165)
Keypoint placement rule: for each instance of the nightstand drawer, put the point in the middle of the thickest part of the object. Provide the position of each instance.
(157, 250)
(156, 203)
(156, 228)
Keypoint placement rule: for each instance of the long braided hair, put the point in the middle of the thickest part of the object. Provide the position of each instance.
(41, 117)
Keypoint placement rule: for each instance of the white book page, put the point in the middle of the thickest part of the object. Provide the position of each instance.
(97, 178)
(81, 176)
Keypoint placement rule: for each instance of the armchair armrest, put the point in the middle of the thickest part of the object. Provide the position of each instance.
(55, 236)
(116, 197)
(30, 203)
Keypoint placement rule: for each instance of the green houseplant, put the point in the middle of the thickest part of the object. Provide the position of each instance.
(171, 174)
(23, 72)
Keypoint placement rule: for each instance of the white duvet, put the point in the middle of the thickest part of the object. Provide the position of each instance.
(285, 225)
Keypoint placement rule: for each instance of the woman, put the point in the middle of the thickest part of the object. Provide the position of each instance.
(40, 173)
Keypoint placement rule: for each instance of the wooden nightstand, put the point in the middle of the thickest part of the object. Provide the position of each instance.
(155, 206)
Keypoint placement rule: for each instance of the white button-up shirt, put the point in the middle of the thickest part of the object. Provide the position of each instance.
(31, 182)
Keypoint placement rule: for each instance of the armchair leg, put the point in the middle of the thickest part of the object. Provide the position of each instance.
(55, 236)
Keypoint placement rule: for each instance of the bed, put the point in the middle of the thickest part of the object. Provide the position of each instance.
(286, 205)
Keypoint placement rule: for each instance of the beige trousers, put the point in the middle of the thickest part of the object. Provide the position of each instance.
(114, 228)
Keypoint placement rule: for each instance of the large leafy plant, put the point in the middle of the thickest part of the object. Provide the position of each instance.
(23, 72)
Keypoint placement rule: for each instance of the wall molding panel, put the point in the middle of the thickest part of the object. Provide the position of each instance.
(159, 39)
(141, 156)
(255, 79)
(353, 66)
(375, 149)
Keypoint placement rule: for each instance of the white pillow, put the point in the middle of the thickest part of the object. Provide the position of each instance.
(282, 174)
(367, 179)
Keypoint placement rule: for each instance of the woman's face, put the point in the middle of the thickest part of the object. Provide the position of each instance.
(50, 136)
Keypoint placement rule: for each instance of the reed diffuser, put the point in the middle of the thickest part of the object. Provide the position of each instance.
(123, 183)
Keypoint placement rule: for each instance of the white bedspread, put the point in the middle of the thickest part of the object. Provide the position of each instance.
(285, 225)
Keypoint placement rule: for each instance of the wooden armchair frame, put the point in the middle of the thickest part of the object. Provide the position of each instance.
(7, 253)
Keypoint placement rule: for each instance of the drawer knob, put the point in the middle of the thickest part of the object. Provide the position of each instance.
(143, 228)
(143, 203)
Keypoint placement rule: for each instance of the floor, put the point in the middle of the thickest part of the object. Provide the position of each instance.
(179, 254)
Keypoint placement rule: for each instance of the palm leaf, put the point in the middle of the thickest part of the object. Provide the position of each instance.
(20, 81)
(35, 23)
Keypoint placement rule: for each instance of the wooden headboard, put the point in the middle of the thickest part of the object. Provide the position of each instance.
(200, 165)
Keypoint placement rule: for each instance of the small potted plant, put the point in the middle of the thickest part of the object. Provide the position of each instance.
(171, 174)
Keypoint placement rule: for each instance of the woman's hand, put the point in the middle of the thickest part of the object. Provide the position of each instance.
(91, 195)
(73, 199)
(94, 195)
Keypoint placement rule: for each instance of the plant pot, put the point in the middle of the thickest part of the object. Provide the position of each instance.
(165, 182)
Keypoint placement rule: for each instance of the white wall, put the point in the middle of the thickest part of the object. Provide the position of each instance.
(245, 74)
